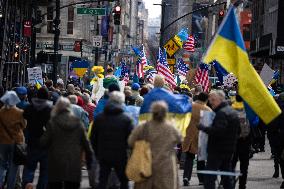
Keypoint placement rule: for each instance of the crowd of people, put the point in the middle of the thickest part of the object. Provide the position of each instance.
(65, 131)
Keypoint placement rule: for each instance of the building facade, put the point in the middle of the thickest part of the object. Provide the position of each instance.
(142, 29)
(15, 40)
(27, 39)
(267, 31)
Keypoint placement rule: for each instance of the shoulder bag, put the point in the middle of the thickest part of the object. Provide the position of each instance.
(139, 165)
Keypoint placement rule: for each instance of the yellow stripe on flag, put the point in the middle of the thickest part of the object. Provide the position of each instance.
(251, 87)
(181, 121)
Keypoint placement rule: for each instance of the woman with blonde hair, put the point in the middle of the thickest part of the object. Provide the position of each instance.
(163, 137)
(65, 139)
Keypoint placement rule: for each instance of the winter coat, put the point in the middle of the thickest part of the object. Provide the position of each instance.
(133, 112)
(90, 108)
(23, 104)
(163, 138)
(65, 140)
(279, 126)
(224, 132)
(100, 106)
(14, 121)
(110, 133)
(80, 113)
(190, 142)
(37, 115)
(138, 99)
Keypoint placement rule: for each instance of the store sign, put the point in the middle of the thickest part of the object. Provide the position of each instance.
(280, 48)
(67, 47)
(48, 46)
(27, 28)
(64, 47)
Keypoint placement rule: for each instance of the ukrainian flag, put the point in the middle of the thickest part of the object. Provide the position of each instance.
(229, 50)
(38, 84)
(179, 107)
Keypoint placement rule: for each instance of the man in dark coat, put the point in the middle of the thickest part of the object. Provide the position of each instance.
(222, 139)
(109, 139)
(37, 115)
(278, 143)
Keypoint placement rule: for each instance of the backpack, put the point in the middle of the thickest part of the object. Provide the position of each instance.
(244, 124)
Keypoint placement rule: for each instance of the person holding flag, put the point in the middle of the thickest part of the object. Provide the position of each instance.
(228, 49)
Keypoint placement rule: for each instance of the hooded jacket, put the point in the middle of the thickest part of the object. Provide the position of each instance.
(110, 133)
(37, 115)
(65, 140)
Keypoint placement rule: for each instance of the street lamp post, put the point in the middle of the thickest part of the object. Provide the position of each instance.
(56, 23)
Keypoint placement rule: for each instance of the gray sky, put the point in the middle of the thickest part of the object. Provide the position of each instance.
(154, 10)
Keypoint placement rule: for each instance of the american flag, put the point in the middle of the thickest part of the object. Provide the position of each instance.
(124, 69)
(141, 61)
(202, 77)
(124, 72)
(126, 78)
(163, 68)
(182, 68)
(189, 44)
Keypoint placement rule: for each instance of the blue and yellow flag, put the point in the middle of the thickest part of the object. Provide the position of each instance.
(179, 107)
(229, 50)
(80, 67)
(38, 84)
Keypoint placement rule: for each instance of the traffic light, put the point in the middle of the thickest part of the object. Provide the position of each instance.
(116, 15)
(17, 52)
(221, 16)
(55, 25)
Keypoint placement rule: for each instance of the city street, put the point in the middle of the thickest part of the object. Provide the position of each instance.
(133, 84)
(260, 174)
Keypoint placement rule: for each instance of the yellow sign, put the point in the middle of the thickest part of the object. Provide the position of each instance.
(171, 47)
(171, 61)
(178, 41)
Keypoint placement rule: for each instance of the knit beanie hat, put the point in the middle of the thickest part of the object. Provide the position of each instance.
(42, 93)
(113, 87)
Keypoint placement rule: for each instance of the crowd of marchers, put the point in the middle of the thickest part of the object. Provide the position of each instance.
(53, 122)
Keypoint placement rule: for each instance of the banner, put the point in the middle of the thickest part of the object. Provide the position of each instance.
(34, 74)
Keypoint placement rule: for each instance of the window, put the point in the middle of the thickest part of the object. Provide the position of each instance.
(70, 21)
(38, 20)
(49, 19)
(70, 28)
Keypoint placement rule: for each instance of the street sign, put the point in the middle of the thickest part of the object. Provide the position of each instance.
(97, 41)
(178, 41)
(171, 47)
(171, 61)
(91, 11)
